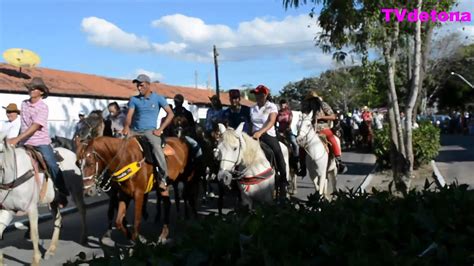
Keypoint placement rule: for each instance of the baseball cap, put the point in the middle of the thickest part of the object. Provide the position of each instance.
(142, 78)
(261, 89)
(234, 93)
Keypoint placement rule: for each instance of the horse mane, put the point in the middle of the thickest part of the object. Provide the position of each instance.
(253, 152)
(113, 146)
(92, 126)
(7, 159)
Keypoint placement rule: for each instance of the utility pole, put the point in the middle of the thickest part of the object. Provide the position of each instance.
(216, 67)
(196, 79)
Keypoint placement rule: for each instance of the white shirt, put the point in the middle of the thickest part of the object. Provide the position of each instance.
(11, 128)
(259, 116)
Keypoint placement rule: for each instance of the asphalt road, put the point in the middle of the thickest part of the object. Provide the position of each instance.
(456, 158)
(18, 250)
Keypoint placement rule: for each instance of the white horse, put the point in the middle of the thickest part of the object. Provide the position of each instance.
(320, 169)
(23, 194)
(256, 178)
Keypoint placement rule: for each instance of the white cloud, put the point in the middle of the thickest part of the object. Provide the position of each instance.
(314, 61)
(103, 33)
(154, 76)
(192, 39)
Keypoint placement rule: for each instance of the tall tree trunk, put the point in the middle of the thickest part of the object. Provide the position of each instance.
(415, 85)
(398, 155)
(426, 49)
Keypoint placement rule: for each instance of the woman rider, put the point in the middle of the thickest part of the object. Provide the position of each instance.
(263, 117)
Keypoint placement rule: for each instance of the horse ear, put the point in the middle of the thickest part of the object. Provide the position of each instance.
(239, 129)
(222, 128)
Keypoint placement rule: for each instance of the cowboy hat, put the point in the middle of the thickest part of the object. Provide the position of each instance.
(12, 108)
(38, 83)
(311, 94)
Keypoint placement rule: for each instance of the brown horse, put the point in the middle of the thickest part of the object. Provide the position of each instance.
(131, 173)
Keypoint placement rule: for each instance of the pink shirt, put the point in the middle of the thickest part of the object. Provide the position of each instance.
(35, 113)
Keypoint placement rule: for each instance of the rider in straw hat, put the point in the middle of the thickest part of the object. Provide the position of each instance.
(12, 125)
(323, 117)
(34, 132)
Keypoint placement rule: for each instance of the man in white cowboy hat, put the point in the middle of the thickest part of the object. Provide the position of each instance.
(12, 126)
(34, 132)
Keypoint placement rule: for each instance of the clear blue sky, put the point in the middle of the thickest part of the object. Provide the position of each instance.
(259, 42)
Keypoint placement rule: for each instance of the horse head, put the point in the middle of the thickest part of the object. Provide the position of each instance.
(180, 124)
(91, 126)
(229, 152)
(93, 165)
(305, 130)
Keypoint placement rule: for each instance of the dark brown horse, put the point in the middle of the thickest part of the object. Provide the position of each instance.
(181, 128)
(131, 173)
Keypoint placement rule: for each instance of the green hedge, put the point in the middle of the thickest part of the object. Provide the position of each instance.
(376, 229)
(426, 144)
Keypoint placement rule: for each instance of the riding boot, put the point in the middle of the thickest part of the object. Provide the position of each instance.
(160, 175)
(59, 199)
(302, 169)
(341, 167)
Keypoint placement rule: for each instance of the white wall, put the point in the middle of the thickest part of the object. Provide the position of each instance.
(64, 111)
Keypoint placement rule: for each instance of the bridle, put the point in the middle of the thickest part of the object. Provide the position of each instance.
(102, 182)
(305, 135)
(236, 174)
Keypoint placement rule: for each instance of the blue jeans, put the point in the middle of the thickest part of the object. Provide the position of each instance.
(53, 168)
(294, 146)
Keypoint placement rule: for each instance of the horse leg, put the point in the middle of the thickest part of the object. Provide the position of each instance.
(54, 239)
(34, 236)
(139, 196)
(186, 201)
(158, 207)
(194, 196)
(144, 210)
(177, 198)
(167, 206)
(122, 208)
(220, 200)
(78, 198)
(5, 219)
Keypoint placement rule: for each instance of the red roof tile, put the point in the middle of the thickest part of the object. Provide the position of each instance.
(86, 85)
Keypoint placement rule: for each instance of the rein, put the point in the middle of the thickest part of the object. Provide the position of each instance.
(306, 134)
(309, 140)
(99, 179)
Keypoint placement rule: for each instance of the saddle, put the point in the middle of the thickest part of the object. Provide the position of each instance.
(147, 149)
(38, 158)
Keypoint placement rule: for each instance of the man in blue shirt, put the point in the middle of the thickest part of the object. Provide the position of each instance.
(237, 113)
(142, 116)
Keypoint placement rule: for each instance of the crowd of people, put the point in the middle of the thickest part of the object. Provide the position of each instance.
(264, 121)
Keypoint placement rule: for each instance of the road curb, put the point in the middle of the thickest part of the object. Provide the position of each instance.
(47, 216)
(368, 178)
(437, 175)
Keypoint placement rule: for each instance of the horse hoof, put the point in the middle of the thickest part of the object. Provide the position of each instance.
(48, 255)
(162, 240)
(141, 239)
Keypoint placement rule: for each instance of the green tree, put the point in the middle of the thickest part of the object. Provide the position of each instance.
(360, 24)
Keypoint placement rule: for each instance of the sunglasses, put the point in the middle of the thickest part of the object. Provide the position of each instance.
(9, 112)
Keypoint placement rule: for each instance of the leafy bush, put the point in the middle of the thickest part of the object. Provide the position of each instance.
(423, 228)
(426, 144)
